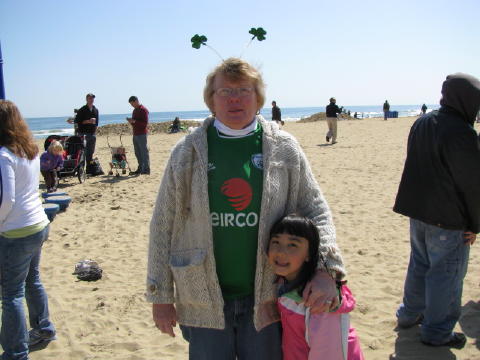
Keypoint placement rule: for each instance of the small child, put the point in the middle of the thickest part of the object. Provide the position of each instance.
(293, 254)
(119, 160)
(51, 161)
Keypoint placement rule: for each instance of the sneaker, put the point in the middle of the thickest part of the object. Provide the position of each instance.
(327, 138)
(39, 336)
(457, 341)
(407, 324)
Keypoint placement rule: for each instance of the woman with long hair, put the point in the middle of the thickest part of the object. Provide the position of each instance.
(23, 229)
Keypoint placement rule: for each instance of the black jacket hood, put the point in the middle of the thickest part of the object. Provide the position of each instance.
(461, 92)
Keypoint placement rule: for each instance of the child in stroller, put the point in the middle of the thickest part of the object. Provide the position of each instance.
(51, 161)
(119, 160)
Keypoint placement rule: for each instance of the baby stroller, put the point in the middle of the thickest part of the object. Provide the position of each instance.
(74, 163)
(119, 159)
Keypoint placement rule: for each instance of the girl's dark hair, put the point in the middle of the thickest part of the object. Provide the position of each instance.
(14, 132)
(294, 224)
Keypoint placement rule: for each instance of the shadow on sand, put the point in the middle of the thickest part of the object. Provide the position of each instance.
(470, 321)
(409, 347)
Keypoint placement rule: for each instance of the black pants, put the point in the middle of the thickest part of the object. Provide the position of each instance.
(90, 140)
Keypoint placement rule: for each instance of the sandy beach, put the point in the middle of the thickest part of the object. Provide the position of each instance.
(109, 217)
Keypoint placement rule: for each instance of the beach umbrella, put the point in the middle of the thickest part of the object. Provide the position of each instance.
(2, 87)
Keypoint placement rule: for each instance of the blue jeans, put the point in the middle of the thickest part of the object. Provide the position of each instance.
(19, 277)
(434, 283)
(141, 152)
(239, 339)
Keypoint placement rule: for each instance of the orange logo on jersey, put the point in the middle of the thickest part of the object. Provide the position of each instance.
(239, 193)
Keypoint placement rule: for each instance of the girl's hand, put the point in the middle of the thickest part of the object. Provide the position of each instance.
(321, 294)
(165, 317)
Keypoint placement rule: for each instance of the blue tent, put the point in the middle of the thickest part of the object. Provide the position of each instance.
(2, 87)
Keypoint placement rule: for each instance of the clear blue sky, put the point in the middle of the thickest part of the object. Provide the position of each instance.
(361, 52)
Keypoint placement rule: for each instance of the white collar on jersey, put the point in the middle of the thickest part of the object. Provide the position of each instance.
(224, 129)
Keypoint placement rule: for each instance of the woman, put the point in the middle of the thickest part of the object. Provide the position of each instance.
(223, 188)
(23, 229)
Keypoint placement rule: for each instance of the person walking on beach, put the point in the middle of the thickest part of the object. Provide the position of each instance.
(24, 227)
(139, 122)
(87, 123)
(276, 113)
(332, 112)
(424, 109)
(223, 188)
(440, 192)
(386, 109)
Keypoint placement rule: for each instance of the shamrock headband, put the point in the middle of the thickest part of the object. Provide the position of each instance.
(199, 40)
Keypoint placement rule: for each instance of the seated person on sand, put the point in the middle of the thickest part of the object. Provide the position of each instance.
(176, 126)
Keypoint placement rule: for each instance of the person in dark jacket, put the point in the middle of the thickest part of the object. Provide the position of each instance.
(386, 109)
(440, 192)
(424, 109)
(87, 123)
(276, 113)
(332, 111)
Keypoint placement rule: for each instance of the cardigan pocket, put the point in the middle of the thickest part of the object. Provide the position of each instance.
(188, 270)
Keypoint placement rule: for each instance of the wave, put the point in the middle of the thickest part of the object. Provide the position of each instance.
(39, 134)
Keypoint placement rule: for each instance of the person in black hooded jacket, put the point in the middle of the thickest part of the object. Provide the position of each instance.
(440, 192)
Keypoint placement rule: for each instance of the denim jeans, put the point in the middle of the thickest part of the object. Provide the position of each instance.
(19, 277)
(434, 283)
(239, 339)
(90, 141)
(141, 152)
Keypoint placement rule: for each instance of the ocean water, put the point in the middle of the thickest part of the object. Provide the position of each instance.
(43, 127)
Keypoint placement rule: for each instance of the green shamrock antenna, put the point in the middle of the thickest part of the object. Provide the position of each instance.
(199, 40)
(258, 33)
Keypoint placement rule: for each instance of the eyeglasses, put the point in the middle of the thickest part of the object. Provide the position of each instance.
(240, 92)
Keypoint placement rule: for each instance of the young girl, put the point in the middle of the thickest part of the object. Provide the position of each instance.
(51, 161)
(293, 254)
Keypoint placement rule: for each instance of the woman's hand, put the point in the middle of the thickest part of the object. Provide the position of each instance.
(165, 318)
(321, 293)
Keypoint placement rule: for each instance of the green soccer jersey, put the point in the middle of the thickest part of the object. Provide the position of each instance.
(235, 180)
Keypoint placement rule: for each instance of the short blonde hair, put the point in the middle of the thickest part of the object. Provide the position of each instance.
(55, 145)
(235, 69)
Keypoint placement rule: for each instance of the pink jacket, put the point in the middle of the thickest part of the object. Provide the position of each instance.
(327, 336)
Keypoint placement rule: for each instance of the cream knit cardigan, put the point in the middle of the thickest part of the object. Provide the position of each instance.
(181, 245)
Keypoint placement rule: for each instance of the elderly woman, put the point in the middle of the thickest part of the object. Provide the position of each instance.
(23, 229)
(223, 188)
